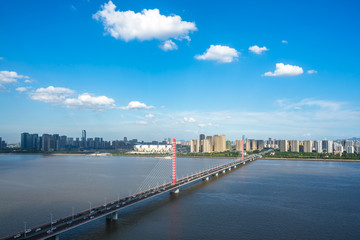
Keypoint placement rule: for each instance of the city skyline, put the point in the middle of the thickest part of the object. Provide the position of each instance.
(72, 65)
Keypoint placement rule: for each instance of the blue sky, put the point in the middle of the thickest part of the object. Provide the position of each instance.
(156, 69)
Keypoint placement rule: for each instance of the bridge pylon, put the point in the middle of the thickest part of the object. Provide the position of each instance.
(174, 162)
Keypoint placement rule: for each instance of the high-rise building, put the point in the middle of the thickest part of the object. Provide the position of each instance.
(83, 135)
(318, 146)
(0, 143)
(210, 139)
(219, 143)
(308, 146)
(248, 145)
(207, 145)
(338, 147)
(328, 146)
(194, 145)
(350, 149)
(284, 146)
(253, 145)
(260, 144)
(238, 145)
(294, 146)
(201, 140)
(46, 143)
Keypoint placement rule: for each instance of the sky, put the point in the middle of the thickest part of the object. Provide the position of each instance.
(156, 69)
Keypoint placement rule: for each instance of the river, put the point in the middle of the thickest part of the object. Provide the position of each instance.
(266, 199)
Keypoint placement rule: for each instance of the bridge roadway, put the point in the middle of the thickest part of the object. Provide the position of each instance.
(110, 209)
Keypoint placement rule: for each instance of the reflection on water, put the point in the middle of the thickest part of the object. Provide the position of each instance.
(262, 200)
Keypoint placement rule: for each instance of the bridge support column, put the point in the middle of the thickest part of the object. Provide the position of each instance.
(217, 174)
(224, 171)
(205, 179)
(56, 237)
(175, 191)
(112, 216)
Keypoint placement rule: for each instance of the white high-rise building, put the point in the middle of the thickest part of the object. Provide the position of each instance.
(308, 146)
(318, 146)
(350, 149)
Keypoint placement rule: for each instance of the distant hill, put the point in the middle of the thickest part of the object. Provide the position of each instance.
(352, 139)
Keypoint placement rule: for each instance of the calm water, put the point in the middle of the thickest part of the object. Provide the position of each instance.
(266, 199)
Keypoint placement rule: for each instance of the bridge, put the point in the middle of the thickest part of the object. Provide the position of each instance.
(109, 210)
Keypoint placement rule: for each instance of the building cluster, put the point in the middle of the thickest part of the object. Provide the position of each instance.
(319, 146)
(57, 143)
(216, 143)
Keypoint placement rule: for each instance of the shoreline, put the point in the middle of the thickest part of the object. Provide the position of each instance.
(182, 156)
(313, 159)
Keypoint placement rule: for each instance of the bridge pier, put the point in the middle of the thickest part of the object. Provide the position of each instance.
(175, 191)
(217, 174)
(112, 216)
(206, 179)
(224, 171)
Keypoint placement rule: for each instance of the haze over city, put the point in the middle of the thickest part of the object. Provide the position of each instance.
(224, 67)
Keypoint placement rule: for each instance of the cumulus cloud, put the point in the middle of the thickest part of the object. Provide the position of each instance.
(189, 119)
(145, 25)
(149, 115)
(62, 96)
(283, 70)
(284, 41)
(221, 54)
(21, 89)
(7, 77)
(87, 101)
(51, 94)
(258, 50)
(168, 45)
(28, 81)
(312, 71)
(136, 105)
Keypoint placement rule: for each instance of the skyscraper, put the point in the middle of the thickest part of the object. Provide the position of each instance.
(308, 146)
(219, 143)
(201, 140)
(284, 145)
(83, 135)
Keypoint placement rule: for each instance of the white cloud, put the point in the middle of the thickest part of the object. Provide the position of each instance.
(222, 54)
(312, 71)
(51, 94)
(61, 96)
(149, 115)
(28, 81)
(141, 122)
(85, 100)
(308, 102)
(21, 89)
(284, 41)
(258, 50)
(136, 105)
(145, 25)
(7, 77)
(168, 45)
(205, 125)
(189, 119)
(285, 70)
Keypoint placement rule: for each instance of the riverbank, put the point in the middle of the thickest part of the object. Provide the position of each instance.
(313, 159)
